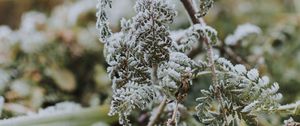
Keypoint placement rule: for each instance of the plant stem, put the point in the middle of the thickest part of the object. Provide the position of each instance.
(188, 5)
(154, 74)
(83, 117)
(192, 11)
(211, 61)
(173, 119)
(293, 108)
(157, 112)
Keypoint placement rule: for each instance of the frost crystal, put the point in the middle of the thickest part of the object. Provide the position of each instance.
(241, 32)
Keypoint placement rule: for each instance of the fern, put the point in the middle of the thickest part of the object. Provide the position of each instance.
(147, 63)
(244, 94)
(129, 97)
(102, 23)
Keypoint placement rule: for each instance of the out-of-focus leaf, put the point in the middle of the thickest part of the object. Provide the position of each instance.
(63, 78)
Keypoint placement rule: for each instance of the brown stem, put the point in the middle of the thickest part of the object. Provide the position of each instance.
(158, 112)
(211, 61)
(234, 56)
(188, 4)
(191, 11)
(154, 74)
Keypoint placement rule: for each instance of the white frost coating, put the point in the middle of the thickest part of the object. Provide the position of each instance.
(241, 32)
(277, 97)
(170, 73)
(184, 40)
(129, 97)
(263, 81)
(249, 107)
(253, 74)
(226, 64)
(272, 90)
(240, 69)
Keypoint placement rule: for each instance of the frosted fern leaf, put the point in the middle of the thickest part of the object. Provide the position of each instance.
(102, 23)
(244, 94)
(173, 72)
(129, 97)
(241, 32)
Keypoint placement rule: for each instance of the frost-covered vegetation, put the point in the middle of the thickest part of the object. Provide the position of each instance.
(168, 62)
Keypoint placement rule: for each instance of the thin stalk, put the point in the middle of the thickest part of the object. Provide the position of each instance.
(154, 74)
(293, 108)
(192, 11)
(172, 121)
(158, 112)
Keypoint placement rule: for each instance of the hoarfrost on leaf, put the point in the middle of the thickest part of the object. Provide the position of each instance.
(241, 32)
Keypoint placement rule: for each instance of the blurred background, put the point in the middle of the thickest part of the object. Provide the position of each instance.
(50, 52)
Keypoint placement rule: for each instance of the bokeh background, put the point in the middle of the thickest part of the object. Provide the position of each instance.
(50, 52)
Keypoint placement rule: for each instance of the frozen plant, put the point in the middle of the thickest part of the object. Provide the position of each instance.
(148, 64)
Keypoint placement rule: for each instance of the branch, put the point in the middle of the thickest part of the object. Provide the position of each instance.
(233, 55)
(154, 74)
(191, 11)
(293, 108)
(157, 112)
(172, 121)
(188, 5)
